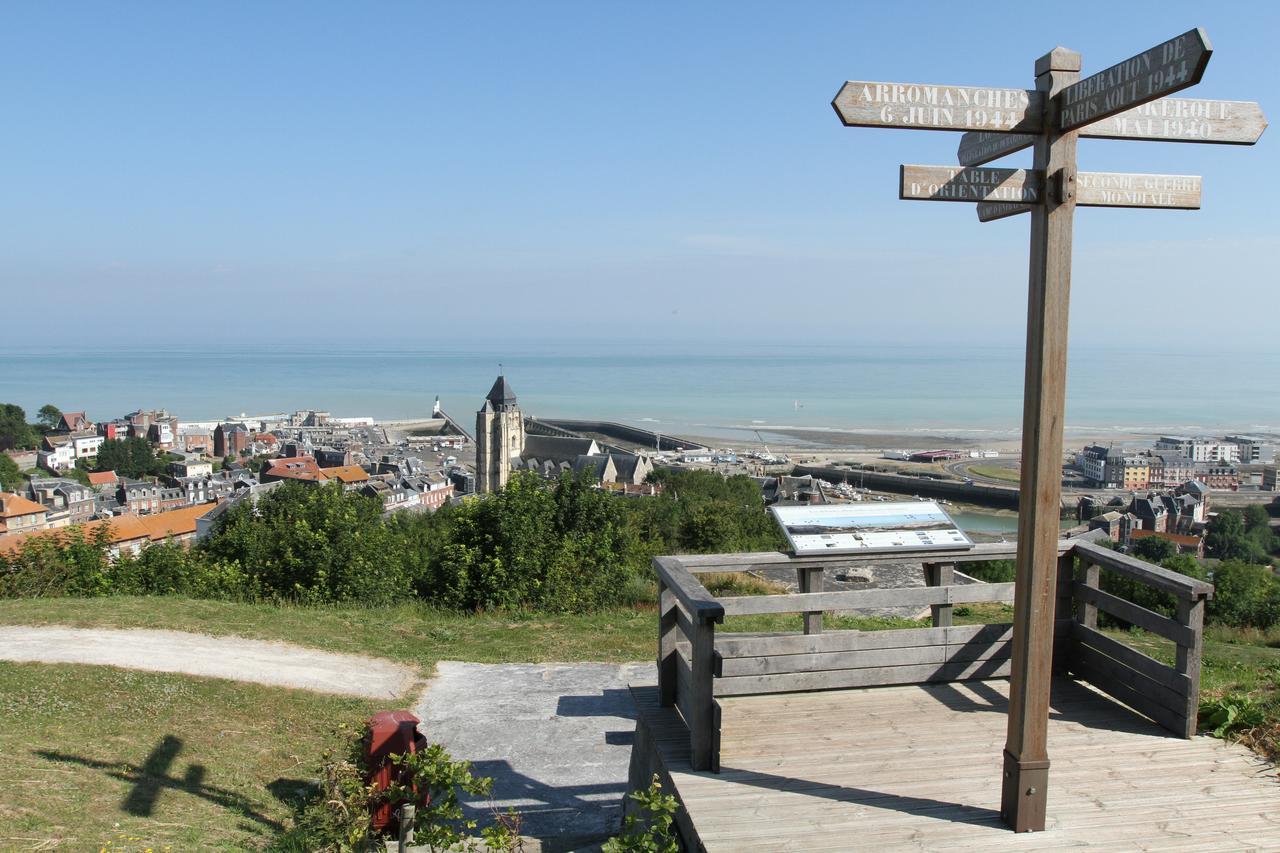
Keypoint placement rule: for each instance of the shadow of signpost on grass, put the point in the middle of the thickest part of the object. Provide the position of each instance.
(153, 777)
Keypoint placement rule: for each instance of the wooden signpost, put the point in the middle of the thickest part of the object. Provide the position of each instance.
(1126, 101)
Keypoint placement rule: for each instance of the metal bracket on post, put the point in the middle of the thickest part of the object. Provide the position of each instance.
(1064, 185)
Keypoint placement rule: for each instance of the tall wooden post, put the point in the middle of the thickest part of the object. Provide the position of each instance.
(1026, 757)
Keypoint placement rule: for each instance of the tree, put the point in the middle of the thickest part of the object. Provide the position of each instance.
(1154, 549)
(49, 416)
(313, 544)
(11, 478)
(1244, 595)
(1225, 537)
(15, 432)
(1256, 517)
(128, 457)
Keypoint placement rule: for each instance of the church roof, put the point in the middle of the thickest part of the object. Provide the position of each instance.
(557, 448)
(501, 393)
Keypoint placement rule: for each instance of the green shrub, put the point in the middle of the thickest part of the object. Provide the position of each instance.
(649, 830)
(1245, 595)
(990, 571)
(1226, 715)
(335, 817)
(312, 544)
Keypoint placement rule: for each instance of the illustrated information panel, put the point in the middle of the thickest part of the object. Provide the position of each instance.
(869, 527)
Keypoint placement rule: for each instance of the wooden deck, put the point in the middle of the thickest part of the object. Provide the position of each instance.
(918, 767)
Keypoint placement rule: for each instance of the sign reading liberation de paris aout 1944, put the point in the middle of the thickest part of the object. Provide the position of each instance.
(1126, 101)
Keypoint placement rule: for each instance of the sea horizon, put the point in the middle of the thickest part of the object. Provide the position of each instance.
(705, 389)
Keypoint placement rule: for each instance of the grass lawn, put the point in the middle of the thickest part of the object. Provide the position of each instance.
(102, 758)
(411, 633)
(996, 472)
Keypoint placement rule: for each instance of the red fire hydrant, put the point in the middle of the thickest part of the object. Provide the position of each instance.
(390, 733)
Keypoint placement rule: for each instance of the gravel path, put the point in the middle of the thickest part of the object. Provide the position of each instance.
(236, 658)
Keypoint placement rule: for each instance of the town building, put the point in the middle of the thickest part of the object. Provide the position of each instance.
(348, 475)
(1201, 448)
(140, 423)
(1254, 450)
(1151, 513)
(302, 468)
(101, 481)
(1271, 478)
(24, 459)
(195, 439)
(1169, 468)
(230, 439)
(139, 497)
(1218, 475)
(57, 453)
(1186, 544)
(332, 457)
(190, 468)
(21, 515)
(73, 422)
(126, 534)
(67, 501)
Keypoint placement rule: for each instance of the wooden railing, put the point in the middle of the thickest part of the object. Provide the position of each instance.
(1168, 695)
(696, 665)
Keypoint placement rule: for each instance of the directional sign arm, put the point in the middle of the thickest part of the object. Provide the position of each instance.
(926, 106)
(1152, 74)
(990, 211)
(949, 183)
(1184, 120)
(1164, 120)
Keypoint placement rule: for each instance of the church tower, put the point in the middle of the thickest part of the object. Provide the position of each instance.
(499, 437)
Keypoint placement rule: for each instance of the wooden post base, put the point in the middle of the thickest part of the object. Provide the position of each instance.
(1024, 794)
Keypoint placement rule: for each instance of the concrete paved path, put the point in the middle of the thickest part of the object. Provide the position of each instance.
(556, 738)
(236, 658)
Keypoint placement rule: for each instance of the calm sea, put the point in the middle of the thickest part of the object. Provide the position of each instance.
(700, 390)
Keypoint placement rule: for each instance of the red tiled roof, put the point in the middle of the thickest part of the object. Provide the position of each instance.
(345, 473)
(123, 528)
(1178, 538)
(13, 506)
(294, 468)
(102, 478)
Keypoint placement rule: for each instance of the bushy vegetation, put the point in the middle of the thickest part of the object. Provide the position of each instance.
(335, 815)
(1247, 535)
(560, 546)
(129, 457)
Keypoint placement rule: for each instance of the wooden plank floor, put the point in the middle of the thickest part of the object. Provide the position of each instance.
(918, 768)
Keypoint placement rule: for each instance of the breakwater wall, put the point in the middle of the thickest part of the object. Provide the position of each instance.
(1000, 497)
(624, 432)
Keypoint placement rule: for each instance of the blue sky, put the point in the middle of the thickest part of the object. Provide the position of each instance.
(476, 171)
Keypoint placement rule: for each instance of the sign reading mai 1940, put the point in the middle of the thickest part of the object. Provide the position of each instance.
(1162, 70)
(1165, 120)
(922, 106)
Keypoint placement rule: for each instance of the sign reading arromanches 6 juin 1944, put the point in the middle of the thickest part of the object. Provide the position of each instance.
(1164, 120)
(1162, 70)
(923, 106)
(1122, 102)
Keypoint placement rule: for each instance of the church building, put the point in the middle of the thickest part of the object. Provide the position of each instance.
(503, 445)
